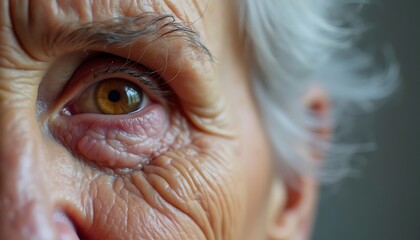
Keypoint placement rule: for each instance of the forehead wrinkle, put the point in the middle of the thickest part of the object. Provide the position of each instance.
(187, 10)
(52, 17)
(124, 31)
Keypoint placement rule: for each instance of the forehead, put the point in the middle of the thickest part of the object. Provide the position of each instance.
(36, 22)
(88, 10)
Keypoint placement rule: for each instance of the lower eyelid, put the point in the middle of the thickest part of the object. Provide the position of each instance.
(114, 142)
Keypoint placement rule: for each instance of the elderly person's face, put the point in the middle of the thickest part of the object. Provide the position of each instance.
(118, 122)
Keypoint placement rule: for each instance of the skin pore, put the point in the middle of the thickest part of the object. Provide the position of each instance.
(192, 163)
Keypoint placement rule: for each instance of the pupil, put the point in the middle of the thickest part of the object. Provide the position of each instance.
(114, 96)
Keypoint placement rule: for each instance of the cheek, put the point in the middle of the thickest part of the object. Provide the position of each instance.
(253, 154)
(258, 171)
(193, 192)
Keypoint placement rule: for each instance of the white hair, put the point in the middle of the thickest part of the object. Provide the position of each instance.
(294, 43)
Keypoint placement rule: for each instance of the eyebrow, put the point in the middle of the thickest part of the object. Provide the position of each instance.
(124, 31)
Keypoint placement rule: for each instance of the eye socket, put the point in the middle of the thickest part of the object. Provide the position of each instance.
(113, 112)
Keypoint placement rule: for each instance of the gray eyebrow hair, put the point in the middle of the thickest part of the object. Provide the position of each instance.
(124, 31)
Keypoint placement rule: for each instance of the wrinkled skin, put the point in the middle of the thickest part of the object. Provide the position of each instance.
(195, 168)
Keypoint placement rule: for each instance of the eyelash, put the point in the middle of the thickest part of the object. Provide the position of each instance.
(154, 86)
(103, 66)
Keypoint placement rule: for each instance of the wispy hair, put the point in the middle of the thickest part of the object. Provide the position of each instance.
(295, 44)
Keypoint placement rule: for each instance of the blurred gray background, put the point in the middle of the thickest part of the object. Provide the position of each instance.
(384, 201)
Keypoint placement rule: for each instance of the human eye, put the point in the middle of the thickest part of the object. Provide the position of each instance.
(110, 96)
(113, 113)
(113, 86)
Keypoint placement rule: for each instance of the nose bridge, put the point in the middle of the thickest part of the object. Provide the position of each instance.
(25, 208)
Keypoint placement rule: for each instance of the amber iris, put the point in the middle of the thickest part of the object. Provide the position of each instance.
(118, 96)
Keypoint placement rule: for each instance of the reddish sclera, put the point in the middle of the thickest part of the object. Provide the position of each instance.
(117, 141)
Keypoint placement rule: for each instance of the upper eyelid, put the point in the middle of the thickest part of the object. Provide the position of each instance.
(110, 37)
